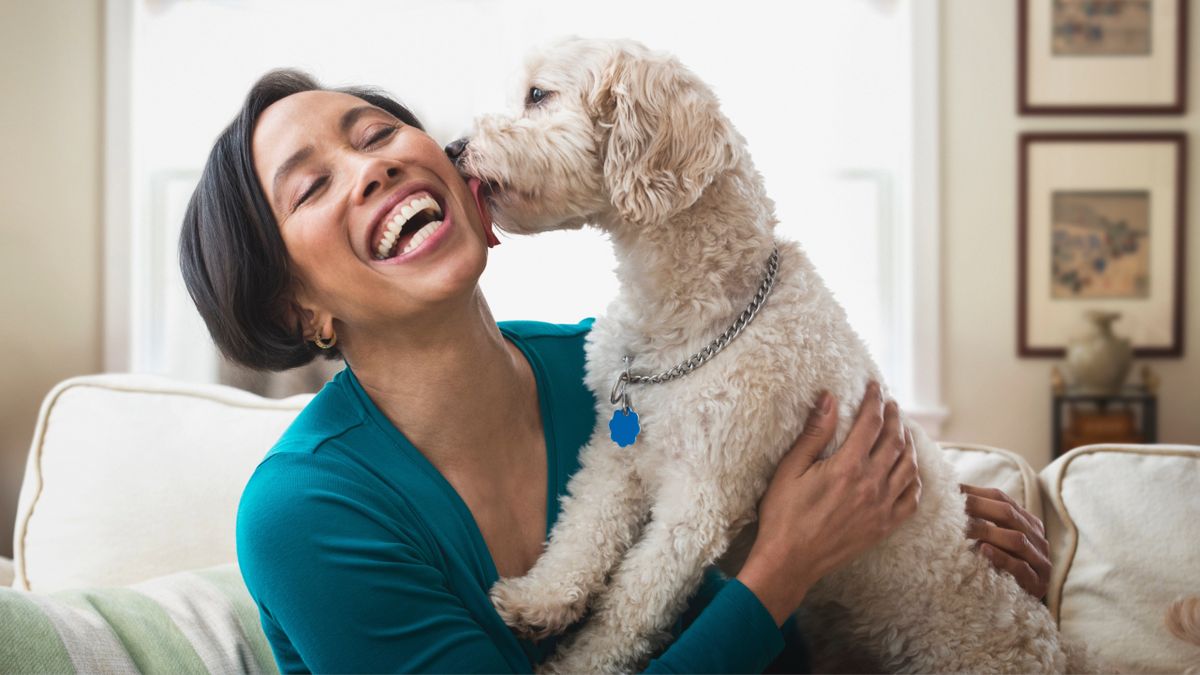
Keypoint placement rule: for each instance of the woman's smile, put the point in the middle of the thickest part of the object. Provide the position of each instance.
(401, 217)
(412, 223)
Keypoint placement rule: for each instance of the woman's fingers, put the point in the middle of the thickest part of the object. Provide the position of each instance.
(1005, 516)
(818, 433)
(1018, 551)
(906, 504)
(996, 506)
(904, 471)
(1027, 577)
(867, 426)
(889, 447)
(1011, 541)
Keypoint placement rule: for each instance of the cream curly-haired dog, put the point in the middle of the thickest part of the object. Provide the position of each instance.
(628, 140)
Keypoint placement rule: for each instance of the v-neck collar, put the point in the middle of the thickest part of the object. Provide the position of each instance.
(545, 406)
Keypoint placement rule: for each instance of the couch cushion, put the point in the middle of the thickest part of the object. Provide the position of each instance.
(1124, 529)
(986, 466)
(201, 621)
(131, 477)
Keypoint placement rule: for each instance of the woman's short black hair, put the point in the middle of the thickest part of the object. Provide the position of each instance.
(231, 253)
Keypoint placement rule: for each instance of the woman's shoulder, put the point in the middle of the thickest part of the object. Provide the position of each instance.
(540, 329)
(318, 480)
(303, 457)
(557, 351)
(556, 347)
(330, 414)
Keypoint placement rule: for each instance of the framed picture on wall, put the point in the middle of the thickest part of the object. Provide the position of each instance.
(1100, 227)
(1101, 57)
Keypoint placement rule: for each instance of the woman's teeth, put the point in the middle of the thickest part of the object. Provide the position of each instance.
(391, 234)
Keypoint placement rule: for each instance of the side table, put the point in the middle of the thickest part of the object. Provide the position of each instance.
(1082, 418)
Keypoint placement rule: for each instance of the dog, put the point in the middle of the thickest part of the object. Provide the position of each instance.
(618, 137)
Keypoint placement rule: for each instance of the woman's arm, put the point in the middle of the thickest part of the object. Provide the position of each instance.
(351, 591)
(733, 633)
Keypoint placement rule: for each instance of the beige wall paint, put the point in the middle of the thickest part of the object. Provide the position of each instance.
(993, 396)
(50, 244)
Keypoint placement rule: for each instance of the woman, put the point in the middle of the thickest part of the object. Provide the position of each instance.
(433, 464)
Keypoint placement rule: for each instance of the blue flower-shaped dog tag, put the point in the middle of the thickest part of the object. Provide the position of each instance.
(623, 428)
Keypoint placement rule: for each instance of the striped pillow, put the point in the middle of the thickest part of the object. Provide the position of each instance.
(199, 621)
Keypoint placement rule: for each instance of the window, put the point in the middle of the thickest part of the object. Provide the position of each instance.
(837, 101)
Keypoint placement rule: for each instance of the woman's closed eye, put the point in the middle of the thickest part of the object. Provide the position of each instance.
(312, 188)
(380, 135)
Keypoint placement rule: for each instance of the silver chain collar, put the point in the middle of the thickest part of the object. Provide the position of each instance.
(698, 359)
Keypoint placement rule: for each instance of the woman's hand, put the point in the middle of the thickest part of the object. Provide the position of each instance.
(818, 515)
(1010, 537)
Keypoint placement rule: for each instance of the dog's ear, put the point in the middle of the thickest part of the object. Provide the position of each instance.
(666, 136)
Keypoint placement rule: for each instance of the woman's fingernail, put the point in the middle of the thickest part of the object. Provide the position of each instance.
(825, 403)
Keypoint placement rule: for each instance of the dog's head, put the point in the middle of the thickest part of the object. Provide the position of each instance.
(610, 133)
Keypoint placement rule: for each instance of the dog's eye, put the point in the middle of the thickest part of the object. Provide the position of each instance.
(535, 96)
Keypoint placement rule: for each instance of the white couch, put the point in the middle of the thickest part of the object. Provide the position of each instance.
(130, 478)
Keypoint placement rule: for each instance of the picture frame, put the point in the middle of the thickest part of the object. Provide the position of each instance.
(1102, 57)
(1101, 226)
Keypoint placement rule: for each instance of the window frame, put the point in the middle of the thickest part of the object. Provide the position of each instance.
(914, 266)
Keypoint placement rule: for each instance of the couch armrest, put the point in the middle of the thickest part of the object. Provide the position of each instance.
(6, 571)
(1122, 524)
(986, 466)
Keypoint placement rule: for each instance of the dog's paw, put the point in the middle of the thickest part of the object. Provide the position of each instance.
(535, 609)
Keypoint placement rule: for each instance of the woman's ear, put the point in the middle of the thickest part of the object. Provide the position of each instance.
(666, 136)
(307, 318)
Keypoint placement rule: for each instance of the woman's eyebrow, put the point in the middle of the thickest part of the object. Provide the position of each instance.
(351, 116)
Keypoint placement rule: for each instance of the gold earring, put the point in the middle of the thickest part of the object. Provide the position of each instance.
(320, 342)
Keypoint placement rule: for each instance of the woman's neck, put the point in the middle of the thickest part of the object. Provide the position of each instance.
(454, 386)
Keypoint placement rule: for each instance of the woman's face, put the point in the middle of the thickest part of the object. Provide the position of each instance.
(358, 196)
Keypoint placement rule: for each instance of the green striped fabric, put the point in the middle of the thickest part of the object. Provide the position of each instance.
(199, 621)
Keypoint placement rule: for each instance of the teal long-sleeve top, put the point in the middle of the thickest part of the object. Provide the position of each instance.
(361, 557)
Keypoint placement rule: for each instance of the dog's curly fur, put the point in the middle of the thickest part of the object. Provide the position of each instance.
(630, 141)
(1183, 620)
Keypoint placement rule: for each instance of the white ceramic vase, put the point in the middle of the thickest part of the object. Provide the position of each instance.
(1099, 361)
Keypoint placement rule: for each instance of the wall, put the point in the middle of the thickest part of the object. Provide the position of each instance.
(50, 142)
(994, 397)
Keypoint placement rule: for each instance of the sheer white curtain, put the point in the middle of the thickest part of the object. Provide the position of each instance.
(822, 90)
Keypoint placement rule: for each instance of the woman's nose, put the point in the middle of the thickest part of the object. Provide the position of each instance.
(373, 179)
(455, 149)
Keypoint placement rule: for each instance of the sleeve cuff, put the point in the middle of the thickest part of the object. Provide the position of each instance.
(734, 634)
(754, 613)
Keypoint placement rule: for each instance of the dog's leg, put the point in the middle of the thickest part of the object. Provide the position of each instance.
(689, 530)
(600, 517)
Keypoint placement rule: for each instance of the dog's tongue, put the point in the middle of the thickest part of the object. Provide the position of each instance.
(485, 213)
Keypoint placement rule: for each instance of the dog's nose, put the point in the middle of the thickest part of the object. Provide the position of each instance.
(455, 149)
